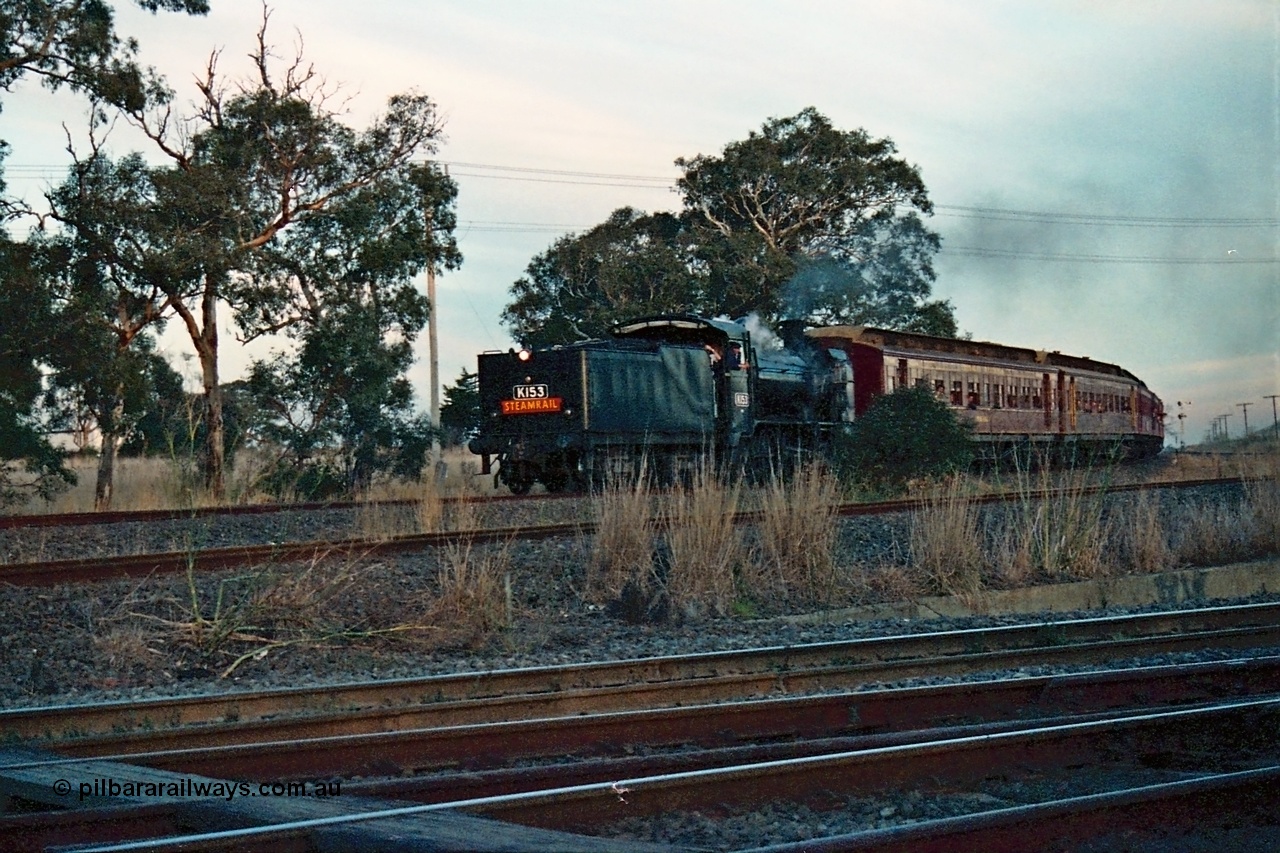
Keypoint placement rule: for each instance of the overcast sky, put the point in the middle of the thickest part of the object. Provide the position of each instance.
(1137, 142)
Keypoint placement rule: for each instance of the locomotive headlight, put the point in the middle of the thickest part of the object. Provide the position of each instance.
(524, 354)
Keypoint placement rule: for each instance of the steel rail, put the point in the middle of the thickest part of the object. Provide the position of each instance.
(79, 519)
(1020, 828)
(1128, 740)
(1130, 816)
(91, 569)
(775, 662)
(949, 761)
(475, 761)
(411, 741)
(124, 516)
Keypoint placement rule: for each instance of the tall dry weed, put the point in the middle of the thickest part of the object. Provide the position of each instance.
(1141, 538)
(1052, 531)
(473, 599)
(795, 543)
(622, 546)
(1210, 534)
(703, 546)
(1262, 504)
(946, 544)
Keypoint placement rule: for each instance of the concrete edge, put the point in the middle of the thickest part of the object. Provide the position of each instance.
(1167, 589)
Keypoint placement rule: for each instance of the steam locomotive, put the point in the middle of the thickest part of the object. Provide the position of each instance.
(665, 391)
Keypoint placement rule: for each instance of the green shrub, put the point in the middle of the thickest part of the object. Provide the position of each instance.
(903, 436)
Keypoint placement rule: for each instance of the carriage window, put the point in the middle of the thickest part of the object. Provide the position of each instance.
(1026, 397)
(973, 395)
(940, 389)
(957, 393)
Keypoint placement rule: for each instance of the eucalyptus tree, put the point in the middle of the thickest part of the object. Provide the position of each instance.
(799, 220)
(255, 161)
(340, 284)
(800, 189)
(632, 263)
(461, 412)
(28, 330)
(116, 276)
(71, 44)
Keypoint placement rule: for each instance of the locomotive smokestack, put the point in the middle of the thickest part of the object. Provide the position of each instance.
(792, 333)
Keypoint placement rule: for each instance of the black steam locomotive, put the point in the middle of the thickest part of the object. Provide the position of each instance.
(665, 391)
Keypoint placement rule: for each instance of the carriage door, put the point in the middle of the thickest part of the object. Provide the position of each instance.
(1062, 402)
(1046, 397)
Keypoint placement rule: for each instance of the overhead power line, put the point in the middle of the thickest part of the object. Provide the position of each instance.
(1013, 254)
(493, 171)
(964, 212)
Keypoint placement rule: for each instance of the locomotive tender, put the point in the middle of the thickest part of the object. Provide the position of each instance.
(671, 388)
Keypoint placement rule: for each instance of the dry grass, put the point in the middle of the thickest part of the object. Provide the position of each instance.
(236, 618)
(155, 482)
(946, 544)
(227, 621)
(1142, 539)
(621, 550)
(1060, 537)
(795, 543)
(473, 601)
(1262, 501)
(703, 546)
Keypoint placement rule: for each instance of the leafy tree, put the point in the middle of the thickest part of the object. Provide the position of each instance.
(340, 410)
(630, 264)
(249, 168)
(73, 43)
(29, 463)
(69, 43)
(339, 275)
(460, 414)
(903, 436)
(887, 282)
(798, 187)
(161, 416)
(800, 220)
(112, 288)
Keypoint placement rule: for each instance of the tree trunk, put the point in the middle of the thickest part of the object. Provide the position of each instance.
(104, 487)
(110, 431)
(214, 456)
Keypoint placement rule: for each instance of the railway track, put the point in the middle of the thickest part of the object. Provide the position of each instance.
(1170, 727)
(819, 765)
(81, 519)
(701, 677)
(84, 519)
(45, 573)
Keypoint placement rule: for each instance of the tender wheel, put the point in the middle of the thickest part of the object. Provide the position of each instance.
(556, 480)
(519, 479)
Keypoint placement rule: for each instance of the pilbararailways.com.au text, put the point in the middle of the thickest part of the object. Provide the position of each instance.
(197, 788)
